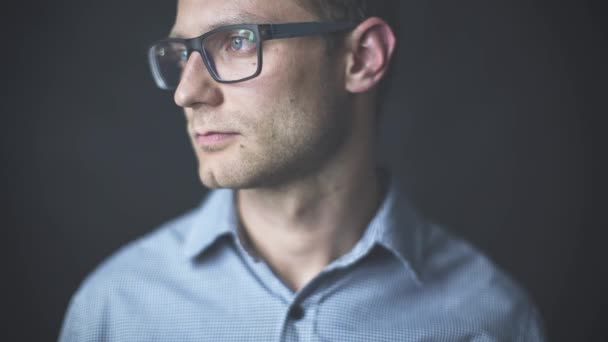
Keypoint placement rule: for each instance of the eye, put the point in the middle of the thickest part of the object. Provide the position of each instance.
(237, 43)
(242, 41)
(181, 58)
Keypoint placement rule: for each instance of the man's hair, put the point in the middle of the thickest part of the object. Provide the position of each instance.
(357, 11)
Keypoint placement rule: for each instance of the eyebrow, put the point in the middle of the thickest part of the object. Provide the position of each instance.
(241, 18)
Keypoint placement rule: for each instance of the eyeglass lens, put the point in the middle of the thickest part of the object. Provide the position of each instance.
(231, 54)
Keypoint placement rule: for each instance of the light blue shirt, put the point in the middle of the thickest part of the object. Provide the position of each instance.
(405, 280)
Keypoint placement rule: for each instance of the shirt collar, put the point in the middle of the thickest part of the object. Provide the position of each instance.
(396, 227)
(216, 217)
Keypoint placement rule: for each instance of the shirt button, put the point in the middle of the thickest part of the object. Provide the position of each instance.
(296, 313)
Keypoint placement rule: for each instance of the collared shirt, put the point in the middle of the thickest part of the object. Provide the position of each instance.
(404, 280)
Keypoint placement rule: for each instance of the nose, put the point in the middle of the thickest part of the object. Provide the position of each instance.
(196, 86)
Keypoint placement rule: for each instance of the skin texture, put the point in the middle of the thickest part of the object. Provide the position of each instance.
(280, 131)
(302, 156)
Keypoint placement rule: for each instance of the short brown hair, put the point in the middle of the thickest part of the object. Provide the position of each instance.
(357, 11)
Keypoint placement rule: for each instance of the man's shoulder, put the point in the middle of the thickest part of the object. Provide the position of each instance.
(150, 255)
(452, 260)
(471, 283)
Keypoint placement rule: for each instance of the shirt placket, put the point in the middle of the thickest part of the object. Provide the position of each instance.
(300, 308)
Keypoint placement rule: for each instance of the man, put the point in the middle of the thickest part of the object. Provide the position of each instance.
(304, 238)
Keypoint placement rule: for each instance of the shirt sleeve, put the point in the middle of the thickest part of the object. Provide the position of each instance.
(83, 321)
(72, 323)
(532, 329)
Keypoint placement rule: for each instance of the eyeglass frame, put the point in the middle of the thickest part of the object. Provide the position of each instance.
(262, 31)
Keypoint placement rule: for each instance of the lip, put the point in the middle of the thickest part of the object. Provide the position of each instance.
(214, 140)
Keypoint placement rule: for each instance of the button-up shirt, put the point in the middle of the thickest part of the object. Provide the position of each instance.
(405, 280)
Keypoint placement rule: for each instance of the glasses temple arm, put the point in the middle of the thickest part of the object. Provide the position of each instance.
(276, 31)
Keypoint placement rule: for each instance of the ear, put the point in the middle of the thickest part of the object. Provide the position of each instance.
(370, 48)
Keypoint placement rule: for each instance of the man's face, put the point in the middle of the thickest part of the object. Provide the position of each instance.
(285, 123)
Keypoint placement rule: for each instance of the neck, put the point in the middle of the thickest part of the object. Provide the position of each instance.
(300, 227)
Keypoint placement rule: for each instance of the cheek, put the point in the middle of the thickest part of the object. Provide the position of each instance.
(292, 67)
(288, 102)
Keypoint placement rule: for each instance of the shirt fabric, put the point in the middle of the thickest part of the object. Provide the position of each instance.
(405, 280)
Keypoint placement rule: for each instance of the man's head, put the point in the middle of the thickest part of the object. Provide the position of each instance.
(307, 107)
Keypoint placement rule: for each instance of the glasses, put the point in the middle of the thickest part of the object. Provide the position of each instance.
(231, 53)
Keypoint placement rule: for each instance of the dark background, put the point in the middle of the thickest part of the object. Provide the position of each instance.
(490, 122)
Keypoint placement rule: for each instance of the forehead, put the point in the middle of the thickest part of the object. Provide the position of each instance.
(195, 17)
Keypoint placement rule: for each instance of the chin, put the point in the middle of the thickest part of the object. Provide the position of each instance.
(260, 168)
(226, 178)
(213, 180)
(216, 173)
(237, 178)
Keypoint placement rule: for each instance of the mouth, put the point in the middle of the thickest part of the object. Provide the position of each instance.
(214, 140)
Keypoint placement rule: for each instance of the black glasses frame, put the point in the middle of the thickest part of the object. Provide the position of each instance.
(263, 31)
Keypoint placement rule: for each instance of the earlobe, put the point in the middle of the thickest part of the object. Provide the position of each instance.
(370, 50)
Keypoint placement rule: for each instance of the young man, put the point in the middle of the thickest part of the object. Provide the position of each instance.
(304, 238)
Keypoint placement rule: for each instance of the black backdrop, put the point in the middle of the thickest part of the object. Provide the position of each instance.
(490, 122)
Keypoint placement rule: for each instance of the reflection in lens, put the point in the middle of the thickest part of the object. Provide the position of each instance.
(169, 60)
(231, 55)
